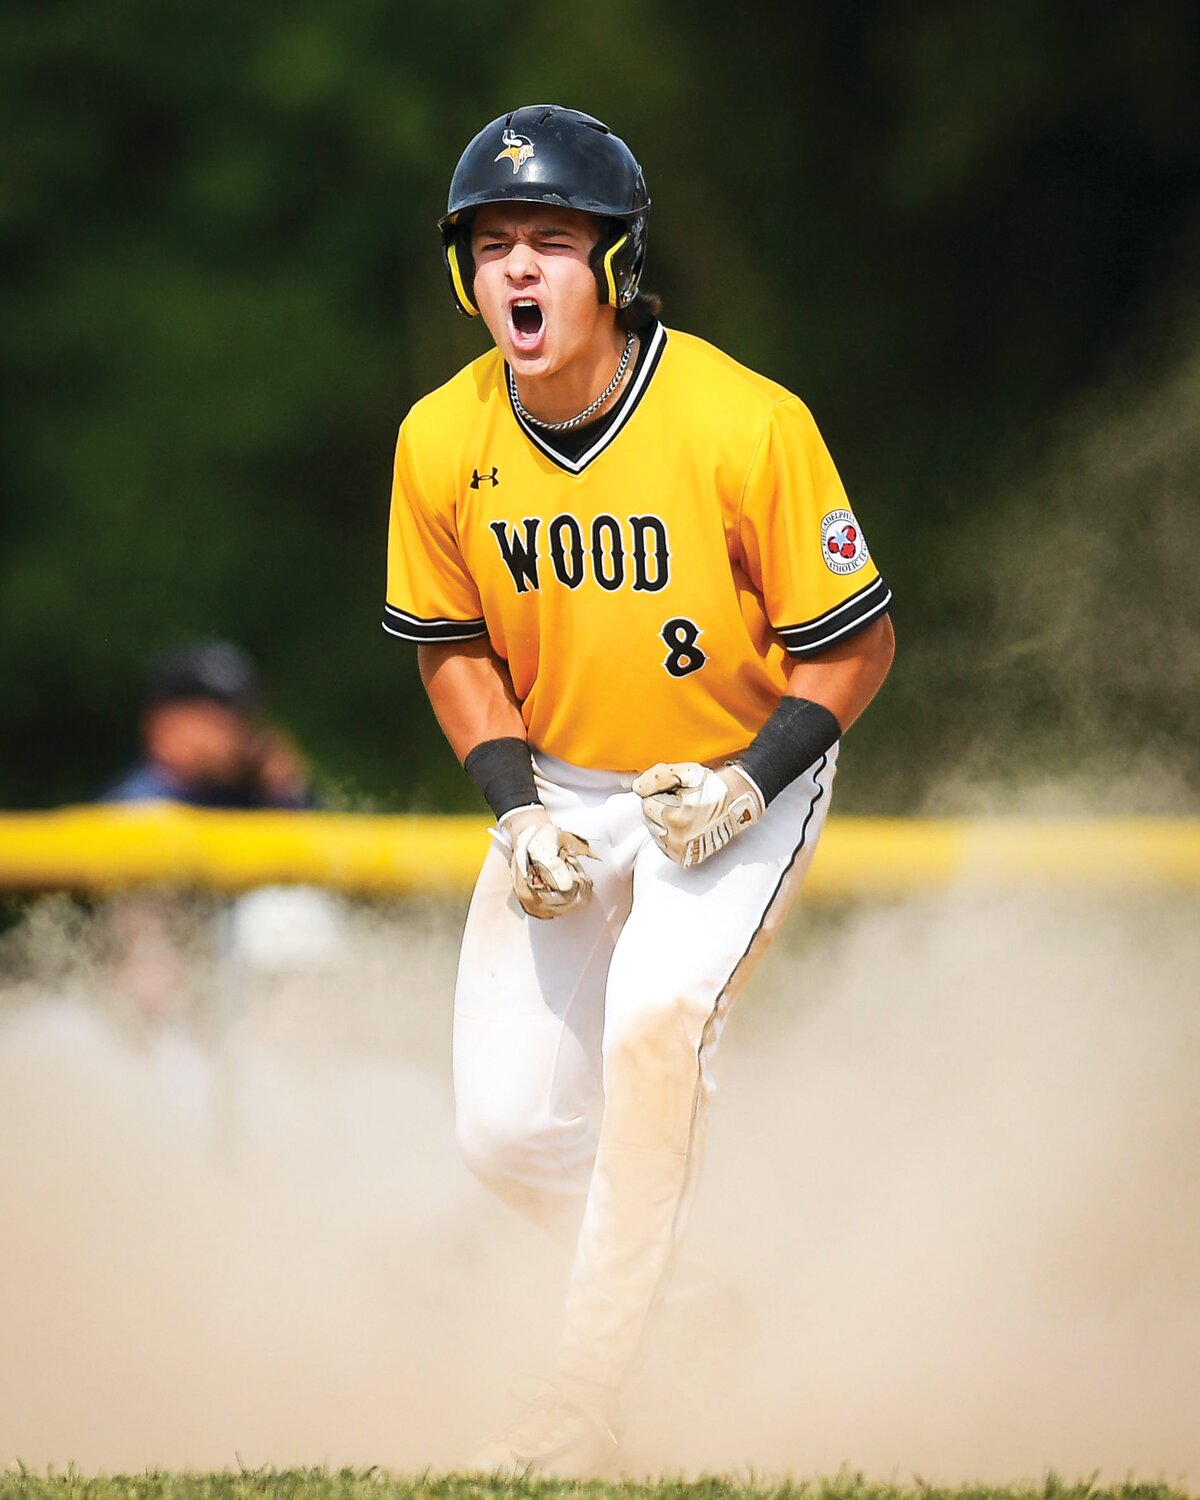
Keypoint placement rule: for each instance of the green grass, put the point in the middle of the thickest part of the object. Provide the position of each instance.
(375, 1484)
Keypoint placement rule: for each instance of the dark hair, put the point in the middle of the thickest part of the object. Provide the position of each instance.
(645, 308)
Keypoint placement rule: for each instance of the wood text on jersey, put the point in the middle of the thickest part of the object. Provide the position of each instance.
(634, 555)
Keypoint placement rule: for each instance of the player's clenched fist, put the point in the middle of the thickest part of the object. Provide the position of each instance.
(546, 874)
(692, 812)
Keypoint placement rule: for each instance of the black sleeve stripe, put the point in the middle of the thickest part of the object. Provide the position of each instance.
(836, 625)
(441, 633)
(820, 623)
(406, 619)
(846, 630)
(834, 618)
(408, 627)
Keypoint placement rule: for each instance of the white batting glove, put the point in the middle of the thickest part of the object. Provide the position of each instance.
(547, 877)
(692, 812)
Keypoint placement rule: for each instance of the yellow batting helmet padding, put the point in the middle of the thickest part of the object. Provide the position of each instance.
(456, 275)
(608, 271)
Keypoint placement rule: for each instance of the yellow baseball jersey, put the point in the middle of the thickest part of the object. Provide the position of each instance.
(645, 594)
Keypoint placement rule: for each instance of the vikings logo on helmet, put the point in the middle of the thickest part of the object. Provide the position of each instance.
(517, 149)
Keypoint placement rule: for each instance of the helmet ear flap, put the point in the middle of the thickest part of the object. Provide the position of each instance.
(617, 262)
(460, 264)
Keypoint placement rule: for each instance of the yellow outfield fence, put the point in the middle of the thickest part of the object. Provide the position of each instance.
(106, 848)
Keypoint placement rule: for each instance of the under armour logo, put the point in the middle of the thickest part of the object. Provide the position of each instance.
(491, 477)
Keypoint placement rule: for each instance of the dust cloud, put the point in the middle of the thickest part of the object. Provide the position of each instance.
(1085, 694)
(955, 1200)
(234, 1224)
(949, 1223)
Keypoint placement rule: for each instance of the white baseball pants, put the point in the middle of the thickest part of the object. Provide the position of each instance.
(583, 1045)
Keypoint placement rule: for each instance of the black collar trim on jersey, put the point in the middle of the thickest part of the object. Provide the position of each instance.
(626, 408)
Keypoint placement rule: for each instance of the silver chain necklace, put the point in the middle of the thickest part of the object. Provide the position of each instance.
(533, 421)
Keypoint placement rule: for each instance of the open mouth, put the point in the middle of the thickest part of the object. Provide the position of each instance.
(527, 321)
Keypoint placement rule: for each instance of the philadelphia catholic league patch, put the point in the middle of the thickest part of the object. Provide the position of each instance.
(843, 545)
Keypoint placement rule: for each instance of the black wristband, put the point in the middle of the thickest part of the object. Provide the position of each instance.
(797, 733)
(503, 772)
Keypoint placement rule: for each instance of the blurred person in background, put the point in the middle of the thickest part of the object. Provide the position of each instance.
(204, 742)
(206, 745)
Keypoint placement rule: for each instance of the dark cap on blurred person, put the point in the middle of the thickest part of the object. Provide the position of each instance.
(211, 670)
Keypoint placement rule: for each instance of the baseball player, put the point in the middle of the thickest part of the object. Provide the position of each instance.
(645, 614)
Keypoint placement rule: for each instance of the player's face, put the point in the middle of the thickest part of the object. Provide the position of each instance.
(535, 288)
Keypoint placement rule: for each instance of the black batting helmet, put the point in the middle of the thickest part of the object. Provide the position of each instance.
(543, 153)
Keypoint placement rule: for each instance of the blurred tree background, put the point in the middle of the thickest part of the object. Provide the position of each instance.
(968, 236)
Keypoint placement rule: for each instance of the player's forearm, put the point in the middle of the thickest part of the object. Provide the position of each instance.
(845, 678)
(471, 694)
